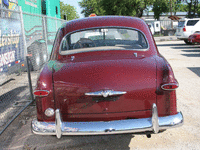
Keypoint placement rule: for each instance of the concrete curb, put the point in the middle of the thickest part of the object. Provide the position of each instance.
(166, 38)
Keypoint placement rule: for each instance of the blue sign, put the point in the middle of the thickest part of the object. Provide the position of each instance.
(6, 2)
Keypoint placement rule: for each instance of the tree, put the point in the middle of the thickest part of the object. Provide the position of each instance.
(192, 7)
(91, 6)
(159, 7)
(175, 4)
(182, 7)
(142, 5)
(119, 7)
(115, 7)
(69, 11)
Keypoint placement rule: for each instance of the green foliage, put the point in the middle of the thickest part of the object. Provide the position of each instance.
(136, 7)
(69, 11)
(115, 7)
(119, 7)
(178, 6)
(91, 6)
(192, 7)
(159, 7)
(164, 6)
(182, 7)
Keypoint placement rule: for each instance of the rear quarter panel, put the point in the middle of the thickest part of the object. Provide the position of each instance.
(45, 82)
(166, 100)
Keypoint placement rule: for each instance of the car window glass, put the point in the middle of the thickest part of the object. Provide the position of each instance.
(114, 38)
(181, 23)
(192, 22)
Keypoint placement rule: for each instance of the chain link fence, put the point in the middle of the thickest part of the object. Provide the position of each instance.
(22, 34)
(40, 32)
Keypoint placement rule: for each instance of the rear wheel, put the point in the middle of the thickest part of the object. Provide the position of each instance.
(187, 42)
(170, 33)
(37, 56)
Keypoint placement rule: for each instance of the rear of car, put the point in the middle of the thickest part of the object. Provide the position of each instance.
(195, 38)
(186, 27)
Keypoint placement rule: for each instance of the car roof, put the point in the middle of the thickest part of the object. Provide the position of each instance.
(184, 19)
(104, 21)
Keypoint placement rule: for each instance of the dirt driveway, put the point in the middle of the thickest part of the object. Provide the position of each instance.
(185, 61)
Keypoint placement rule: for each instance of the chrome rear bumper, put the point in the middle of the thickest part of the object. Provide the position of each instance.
(154, 124)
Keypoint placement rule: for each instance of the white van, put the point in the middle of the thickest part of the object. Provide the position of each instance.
(186, 27)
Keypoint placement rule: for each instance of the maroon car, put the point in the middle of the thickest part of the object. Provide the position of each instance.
(195, 38)
(105, 76)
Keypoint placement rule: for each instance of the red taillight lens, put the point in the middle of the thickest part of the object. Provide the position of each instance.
(169, 86)
(197, 37)
(184, 29)
(41, 93)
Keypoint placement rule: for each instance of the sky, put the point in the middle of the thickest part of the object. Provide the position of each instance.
(75, 4)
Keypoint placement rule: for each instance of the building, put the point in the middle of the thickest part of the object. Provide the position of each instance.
(163, 16)
(50, 8)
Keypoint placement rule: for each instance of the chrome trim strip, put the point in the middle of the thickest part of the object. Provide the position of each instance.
(169, 84)
(105, 93)
(110, 127)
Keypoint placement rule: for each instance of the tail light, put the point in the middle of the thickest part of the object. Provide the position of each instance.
(194, 36)
(197, 37)
(169, 86)
(41, 93)
(184, 29)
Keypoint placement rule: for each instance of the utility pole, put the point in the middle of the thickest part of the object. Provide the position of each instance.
(171, 13)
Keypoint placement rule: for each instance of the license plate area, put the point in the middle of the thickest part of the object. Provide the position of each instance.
(101, 98)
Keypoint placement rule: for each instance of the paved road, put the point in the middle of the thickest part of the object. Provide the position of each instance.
(185, 61)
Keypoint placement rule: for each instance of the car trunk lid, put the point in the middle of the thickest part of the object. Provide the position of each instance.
(135, 78)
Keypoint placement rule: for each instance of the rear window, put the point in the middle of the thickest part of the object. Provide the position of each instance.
(192, 22)
(104, 39)
(197, 32)
(181, 23)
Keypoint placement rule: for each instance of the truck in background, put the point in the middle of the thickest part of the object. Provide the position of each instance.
(154, 26)
(161, 27)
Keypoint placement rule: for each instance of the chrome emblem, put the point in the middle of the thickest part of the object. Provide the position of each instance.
(105, 93)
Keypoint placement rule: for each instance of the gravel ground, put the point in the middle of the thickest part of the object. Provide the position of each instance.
(185, 61)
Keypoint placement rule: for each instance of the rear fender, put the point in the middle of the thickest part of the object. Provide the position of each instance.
(166, 99)
(45, 82)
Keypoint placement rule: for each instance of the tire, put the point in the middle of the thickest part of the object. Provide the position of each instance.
(187, 42)
(44, 53)
(170, 33)
(36, 59)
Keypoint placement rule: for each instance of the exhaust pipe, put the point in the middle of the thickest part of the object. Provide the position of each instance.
(148, 135)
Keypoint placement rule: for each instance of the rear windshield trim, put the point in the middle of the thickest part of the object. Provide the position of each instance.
(86, 50)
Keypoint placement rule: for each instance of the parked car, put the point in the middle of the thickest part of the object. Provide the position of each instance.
(187, 27)
(194, 38)
(116, 83)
